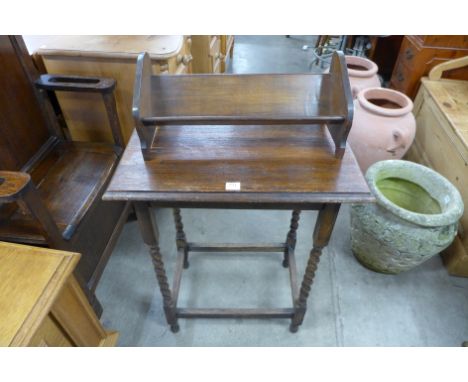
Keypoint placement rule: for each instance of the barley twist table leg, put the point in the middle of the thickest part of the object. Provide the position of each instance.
(301, 303)
(149, 231)
(291, 237)
(181, 239)
(168, 302)
(322, 232)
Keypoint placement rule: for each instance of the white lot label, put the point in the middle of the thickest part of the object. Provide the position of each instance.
(232, 186)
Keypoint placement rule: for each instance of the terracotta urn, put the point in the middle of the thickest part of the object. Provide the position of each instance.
(362, 74)
(383, 126)
(415, 217)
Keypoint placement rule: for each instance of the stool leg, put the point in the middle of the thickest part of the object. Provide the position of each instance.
(322, 232)
(149, 231)
(181, 239)
(291, 237)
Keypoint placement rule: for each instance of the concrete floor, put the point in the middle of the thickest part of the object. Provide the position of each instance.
(348, 306)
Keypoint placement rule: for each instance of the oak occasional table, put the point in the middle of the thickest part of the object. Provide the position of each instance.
(239, 142)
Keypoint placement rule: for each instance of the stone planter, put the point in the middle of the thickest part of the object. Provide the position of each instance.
(383, 126)
(415, 217)
(362, 74)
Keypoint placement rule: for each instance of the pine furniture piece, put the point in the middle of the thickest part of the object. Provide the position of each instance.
(227, 51)
(211, 53)
(106, 56)
(441, 142)
(419, 54)
(244, 142)
(51, 186)
(42, 303)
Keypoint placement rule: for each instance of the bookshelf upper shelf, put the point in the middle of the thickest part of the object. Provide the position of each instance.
(242, 99)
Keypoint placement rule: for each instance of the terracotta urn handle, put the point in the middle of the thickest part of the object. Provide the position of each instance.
(398, 141)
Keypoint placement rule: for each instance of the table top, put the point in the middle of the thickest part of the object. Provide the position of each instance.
(241, 166)
(30, 280)
(158, 47)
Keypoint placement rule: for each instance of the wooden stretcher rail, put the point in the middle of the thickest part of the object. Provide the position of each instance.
(259, 247)
(234, 313)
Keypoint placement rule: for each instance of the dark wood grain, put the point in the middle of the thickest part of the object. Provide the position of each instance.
(31, 203)
(142, 100)
(19, 109)
(339, 95)
(75, 83)
(281, 138)
(60, 206)
(70, 187)
(150, 233)
(273, 164)
(225, 247)
(322, 232)
(247, 99)
(181, 238)
(252, 96)
(234, 313)
(104, 86)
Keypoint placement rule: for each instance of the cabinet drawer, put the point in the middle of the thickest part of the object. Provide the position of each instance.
(402, 79)
(408, 52)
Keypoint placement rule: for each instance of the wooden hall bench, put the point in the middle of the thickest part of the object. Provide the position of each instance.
(50, 186)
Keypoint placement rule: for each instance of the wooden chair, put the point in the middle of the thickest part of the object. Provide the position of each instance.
(51, 186)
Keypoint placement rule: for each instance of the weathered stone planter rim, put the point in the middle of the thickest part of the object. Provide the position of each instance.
(446, 194)
(371, 67)
(406, 105)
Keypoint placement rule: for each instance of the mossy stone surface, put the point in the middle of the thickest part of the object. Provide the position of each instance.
(415, 217)
(408, 195)
(386, 243)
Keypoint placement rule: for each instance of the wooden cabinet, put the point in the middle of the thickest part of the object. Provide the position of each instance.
(41, 303)
(419, 54)
(441, 142)
(211, 53)
(105, 56)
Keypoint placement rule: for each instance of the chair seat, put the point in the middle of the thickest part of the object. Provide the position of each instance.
(69, 180)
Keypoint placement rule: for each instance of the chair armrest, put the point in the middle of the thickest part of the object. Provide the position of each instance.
(105, 86)
(436, 72)
(75, 83)
(12, 185)
(17, 187)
